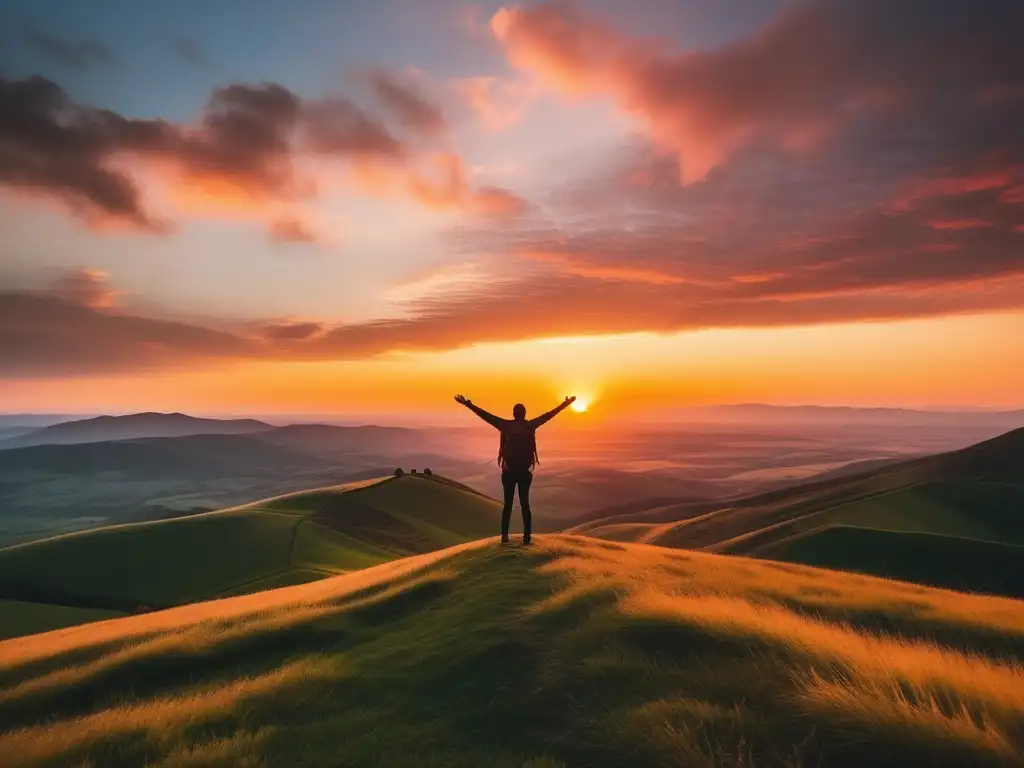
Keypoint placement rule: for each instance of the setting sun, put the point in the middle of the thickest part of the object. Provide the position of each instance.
(581, 404)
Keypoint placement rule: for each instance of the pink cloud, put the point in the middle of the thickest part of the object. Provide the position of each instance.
(954, 225)
(1013, 195)
(812, 68)
(497, 103)
(922, 190)
(292, 229)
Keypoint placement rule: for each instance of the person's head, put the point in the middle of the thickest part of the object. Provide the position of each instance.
(519, 411)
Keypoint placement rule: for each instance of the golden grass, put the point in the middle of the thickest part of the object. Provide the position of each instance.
(355, 485)
(856, 677)
(152, 720)
(799, 624)
(177, 621)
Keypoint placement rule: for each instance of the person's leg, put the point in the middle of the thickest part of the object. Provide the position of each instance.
(525, 479)
(508, 485)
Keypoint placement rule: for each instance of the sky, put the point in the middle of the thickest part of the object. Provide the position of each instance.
(364, 208)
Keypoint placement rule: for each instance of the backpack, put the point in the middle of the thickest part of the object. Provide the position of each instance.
(518, 450)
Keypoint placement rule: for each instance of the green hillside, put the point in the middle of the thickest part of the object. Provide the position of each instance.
(575, 652)
(24, 618)
(973, 494)
(953, 562)
(276, 542)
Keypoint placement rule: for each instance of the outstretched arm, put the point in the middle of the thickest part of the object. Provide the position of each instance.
(546, 417)
(490, 418)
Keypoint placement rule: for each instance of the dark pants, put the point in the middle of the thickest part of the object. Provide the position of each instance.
(510, 479)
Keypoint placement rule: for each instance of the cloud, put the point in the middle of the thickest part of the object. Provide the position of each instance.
(50, 336)
(885, 186)
(924, 190)
(289, 331)
(816, 67)
(50, 146)
(85, 287)
(957, 224)
(291, 229)
(73, 54)
(251, 150)
(497, 103)
(441, 183)
(403, 98)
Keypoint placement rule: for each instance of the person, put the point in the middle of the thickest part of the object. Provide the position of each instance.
(517, 456)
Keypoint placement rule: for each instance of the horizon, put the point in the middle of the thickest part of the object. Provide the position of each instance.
(719, 415)
(357, 212)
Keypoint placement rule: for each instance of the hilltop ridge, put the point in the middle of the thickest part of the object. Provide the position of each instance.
(287, 539)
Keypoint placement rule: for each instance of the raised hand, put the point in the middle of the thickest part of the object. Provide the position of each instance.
(569, 400)
(463, 400)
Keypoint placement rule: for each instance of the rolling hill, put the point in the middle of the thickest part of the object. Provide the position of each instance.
(133, 425)
(271, 543)
(51, 489)
(968, 496)
(573, 652)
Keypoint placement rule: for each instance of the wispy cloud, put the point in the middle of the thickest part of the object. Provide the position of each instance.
(73, 54)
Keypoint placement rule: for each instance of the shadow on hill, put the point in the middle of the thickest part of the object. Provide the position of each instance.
(952, 562)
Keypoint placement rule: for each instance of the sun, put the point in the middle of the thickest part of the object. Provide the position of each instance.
(581, 404)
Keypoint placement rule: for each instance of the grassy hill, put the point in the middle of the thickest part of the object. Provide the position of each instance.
(953, 562)
(574, 652)
(51, 489)
(973, 494)
(276, 542)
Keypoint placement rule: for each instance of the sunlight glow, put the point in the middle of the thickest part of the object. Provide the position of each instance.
(581, 404)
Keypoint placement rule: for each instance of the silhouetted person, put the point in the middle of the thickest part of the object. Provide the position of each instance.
(517, 456)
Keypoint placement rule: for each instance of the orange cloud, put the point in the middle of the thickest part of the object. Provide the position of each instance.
(497, 103)
(86, 287)
(441, 183)
(572, 265)
(950, 186)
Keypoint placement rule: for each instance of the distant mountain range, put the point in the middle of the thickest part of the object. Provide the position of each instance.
(103, 428)
(21, 430)
(804, 415)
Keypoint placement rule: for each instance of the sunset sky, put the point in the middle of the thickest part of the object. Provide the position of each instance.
(365, 207)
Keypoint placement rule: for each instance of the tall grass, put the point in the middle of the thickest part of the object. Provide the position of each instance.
(574, 652)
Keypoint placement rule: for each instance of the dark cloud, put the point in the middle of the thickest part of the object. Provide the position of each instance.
(74, 54)
(49, 336)
(247, 151)
(52, 146)
(291, 331)
(404, 100)
(247, 143)
(337, 126)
